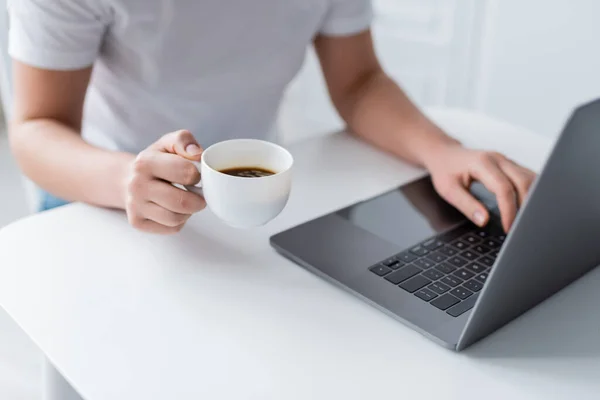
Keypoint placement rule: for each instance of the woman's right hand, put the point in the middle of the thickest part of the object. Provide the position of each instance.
(153, 204)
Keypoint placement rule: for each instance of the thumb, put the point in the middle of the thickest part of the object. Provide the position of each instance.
(181, 143)
(458, 196)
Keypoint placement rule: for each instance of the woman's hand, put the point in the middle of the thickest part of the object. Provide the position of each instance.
(153, 204)
(453, 168)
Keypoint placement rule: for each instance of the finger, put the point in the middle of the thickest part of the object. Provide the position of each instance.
(522, 178)
(492, 177)
(457, 195)
(181, 143)
(158, 214)
(174, 199)
(149, 226)
(169, 167)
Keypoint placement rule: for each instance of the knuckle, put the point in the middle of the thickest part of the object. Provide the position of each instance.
(183, 201)
(484, 157)
(182, 219)
(130, 206)
(530, 180)
(198, 204)
(171, 230)
(137, 222)
(524, 186)
(142, 162)
(505, 189)
(190, 174)
(182, 134)
(177, 219)
(497, 156)
(178, 228)
(523, 181)
(135, 187)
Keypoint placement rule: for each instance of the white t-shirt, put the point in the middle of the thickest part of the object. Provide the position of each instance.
(216, 67)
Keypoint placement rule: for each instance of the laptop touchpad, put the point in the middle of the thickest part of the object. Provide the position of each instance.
(405, 216)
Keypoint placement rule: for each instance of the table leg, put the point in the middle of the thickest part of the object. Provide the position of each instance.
(55, 387)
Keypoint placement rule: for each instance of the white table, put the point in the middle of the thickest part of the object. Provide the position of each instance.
(214, 313)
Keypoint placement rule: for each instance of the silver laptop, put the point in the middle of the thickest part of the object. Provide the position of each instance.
(413, 256)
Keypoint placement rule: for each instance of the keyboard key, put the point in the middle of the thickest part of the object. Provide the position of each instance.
(501, 238)
(390, 261)
(414, 284)
(457, 261)
(473, 285)
(433, 244)
(419, 251)
(396, 265)
(464, 274)
(426, 294)
(380, 269)
(494, 254)
(486, 261)
(403, 274)
(469, 255)
(446, 268)
(482, 234)
(491, 243)
(451, 280)
(482, 277)
(444, 302)
(433, 274)
(406, 257)
(424, 263)
(437, 257)
(461, 292)
(448, 251)
(459, 244)
(471, 239)
(477, 268)
(393, 263)
(481, 249)
(463, 306)
(439, 287)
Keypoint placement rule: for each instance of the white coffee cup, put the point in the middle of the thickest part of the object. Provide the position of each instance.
(239, 201)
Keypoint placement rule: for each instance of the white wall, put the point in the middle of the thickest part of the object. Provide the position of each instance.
(541, 58)
(526, 61)
(426, 45)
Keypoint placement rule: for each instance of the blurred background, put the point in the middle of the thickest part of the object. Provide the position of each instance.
(528, 62)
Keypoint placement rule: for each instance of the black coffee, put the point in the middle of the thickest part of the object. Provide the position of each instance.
(247, 172)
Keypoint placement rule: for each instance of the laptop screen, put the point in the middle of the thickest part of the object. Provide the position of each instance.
(405, 216)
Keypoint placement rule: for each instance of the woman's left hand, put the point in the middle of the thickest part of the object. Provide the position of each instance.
(453, 168)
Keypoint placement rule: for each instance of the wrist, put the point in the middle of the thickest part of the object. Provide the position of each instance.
(433, 146)
(122, 173)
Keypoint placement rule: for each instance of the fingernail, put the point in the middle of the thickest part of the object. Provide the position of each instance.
(193, 149)
(479, 218)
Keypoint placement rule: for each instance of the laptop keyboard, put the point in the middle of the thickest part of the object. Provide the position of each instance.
(449, 270)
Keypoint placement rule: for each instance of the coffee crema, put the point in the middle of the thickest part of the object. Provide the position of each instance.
(247, 172)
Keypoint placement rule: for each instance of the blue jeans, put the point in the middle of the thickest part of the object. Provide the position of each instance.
(48, 201)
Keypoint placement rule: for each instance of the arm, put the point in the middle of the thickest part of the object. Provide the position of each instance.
(54, 46)
(377, 110)
(46, 140)
(371, 103)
